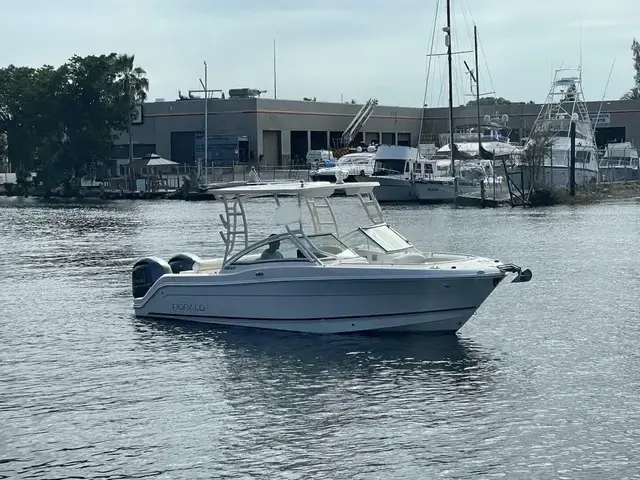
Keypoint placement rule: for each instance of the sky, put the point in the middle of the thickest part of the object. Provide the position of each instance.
(333, 49)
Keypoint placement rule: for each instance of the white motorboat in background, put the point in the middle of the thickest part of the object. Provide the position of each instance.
(493, 135)
(394, 169)
(326, 281)
(349, 166)
(619, 163)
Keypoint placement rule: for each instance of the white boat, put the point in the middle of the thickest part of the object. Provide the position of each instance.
(565, 104)
(493, 134)
(349, 166)
(395, 167)
(368, 279)
(619, 163)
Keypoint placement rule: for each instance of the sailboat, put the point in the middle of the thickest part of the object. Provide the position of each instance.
(447, 188)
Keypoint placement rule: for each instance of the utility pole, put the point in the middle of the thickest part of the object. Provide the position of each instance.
(205, 90)
(275, 77)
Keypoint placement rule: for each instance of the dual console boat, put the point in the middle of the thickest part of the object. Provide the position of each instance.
(324, 281)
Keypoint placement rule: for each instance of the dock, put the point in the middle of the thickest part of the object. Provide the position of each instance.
(476, 200)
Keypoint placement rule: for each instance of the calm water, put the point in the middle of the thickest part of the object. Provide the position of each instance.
(544, 382)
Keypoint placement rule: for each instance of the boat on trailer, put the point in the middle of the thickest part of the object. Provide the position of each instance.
(367, 279)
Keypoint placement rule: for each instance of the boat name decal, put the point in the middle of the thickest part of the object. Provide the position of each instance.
(189, 307)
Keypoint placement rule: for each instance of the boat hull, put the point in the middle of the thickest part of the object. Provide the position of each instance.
(556, 176)
(617, 175)
(441, 192)
(435, 322)
(392, 189)
(417, 300)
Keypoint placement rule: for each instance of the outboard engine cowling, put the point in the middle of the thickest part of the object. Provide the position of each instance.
(183, 262)
(145, 273)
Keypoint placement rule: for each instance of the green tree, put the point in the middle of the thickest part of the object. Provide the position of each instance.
(489, 101)
(61, 121)
(634, 93)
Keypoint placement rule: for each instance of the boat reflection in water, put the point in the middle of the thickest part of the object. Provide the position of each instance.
(443, 361)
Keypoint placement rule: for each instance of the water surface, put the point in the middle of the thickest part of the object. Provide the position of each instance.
(543, 382)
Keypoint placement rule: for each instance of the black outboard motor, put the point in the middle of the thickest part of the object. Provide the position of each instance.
(145, 273)
(183, 262)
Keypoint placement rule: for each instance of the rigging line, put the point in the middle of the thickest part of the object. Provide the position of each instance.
(463, 4)
(429, 60)
(493, 87)
(443, 85)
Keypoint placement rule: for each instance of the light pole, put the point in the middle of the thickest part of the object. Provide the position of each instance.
(206, 125)
(206, 91)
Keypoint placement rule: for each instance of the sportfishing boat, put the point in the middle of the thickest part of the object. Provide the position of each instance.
(367, 279)
(564, 105)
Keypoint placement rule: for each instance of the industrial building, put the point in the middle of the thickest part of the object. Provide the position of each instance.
(275, 132)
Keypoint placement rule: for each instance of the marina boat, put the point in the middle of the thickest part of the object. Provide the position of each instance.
(394, 169)
(619, 163)
(348, 166)
(489, 140)
(369, 278)
(565, 104)
(468, 155)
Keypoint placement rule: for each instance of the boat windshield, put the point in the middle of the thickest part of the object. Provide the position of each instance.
(321, 244)
(380, 238)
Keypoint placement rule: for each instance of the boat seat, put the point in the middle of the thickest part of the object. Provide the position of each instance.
(409, 259)
(207, 265)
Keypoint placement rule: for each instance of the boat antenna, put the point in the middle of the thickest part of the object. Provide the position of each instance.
(606, 87)
(447, 41)
(580, 72)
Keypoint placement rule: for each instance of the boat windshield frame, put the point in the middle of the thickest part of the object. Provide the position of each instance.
(305, 244)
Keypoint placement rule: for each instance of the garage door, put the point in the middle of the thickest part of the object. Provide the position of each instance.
(271, 147)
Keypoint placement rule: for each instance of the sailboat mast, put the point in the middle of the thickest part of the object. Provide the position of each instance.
(448, 43)
(475, 43)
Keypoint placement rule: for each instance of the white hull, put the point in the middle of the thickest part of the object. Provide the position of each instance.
(354, 300)
(392, 189)
(558, 176)
(433, 191)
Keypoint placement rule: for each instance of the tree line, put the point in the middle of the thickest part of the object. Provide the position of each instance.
(60, 122)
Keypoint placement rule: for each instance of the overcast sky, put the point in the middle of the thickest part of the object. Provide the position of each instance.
(328, 48)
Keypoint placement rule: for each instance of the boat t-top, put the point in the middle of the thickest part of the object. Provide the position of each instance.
(369, 278)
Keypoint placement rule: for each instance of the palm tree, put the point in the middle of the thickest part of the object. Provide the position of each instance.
(633, 94)
(134, 85)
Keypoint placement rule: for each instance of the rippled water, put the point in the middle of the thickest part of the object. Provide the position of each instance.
(544, 382)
